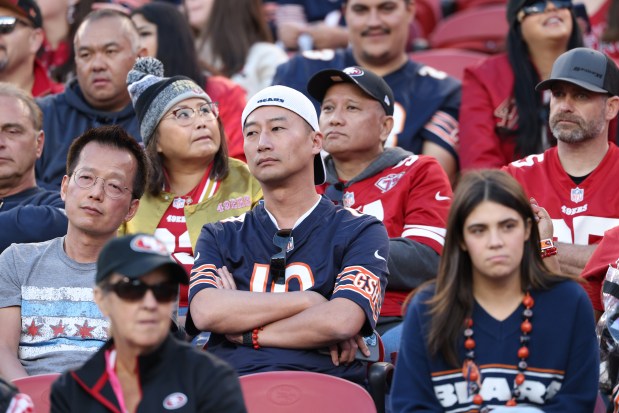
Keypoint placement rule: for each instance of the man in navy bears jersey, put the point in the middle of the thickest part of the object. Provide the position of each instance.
(576, 181)
(409, 193)
(427, 101)
(296, 274)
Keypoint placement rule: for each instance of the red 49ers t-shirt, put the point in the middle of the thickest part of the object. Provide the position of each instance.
(172, 229)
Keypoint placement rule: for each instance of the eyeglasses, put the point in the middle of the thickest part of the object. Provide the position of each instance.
(187, 116)
(540, 6)
(281, 239)
(134, 290)
(8, 24)
(112, 187)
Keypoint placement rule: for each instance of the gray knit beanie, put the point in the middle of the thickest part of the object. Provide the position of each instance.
(153, 95)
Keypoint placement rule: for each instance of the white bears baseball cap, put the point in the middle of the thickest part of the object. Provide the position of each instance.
(294, 101)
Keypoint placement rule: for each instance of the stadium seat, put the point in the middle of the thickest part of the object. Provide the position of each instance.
(482, 29)
(303, 392)
(38, 388)
(471, 4)
(450, 61)
(380, 376)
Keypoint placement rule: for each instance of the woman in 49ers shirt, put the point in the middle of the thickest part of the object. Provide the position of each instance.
(193, 181)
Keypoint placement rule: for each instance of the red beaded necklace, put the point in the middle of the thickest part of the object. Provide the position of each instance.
(470, 371)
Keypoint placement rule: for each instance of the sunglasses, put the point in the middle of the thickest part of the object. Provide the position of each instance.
(8, 24)
(540, 6)
(134, 290)
(281, 239)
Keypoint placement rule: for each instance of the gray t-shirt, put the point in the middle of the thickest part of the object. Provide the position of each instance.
(61, 324)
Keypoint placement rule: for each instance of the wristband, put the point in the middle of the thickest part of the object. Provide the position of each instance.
(547, 248)
(549, 252)
(546, 243)
(254, 338)
(247, 341)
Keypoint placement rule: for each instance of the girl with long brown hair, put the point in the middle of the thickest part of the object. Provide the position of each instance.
(497, 327)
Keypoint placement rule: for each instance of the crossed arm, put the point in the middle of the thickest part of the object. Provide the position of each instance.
(298, 320)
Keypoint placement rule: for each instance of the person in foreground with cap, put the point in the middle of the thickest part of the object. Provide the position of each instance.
(576, 181)
(409, 193)
(48, 318)
(323, 268)
(192, 179)
(21, 38)
(143, 368)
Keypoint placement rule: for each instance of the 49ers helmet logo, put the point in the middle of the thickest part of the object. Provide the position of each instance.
(175, 401)
(353, 71)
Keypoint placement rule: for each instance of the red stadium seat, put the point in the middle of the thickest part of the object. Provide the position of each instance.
(427, 15)
(38, 388)
(450, 61)
(471, 4)
(481, 29)
(303, 392)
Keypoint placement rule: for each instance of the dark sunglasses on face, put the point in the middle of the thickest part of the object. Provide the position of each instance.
(8, 24)
(281, 239)
(540, 6)
(134, 290)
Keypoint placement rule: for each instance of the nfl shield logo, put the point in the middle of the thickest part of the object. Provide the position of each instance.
(348, 199)
(178, 203)
(577, 195)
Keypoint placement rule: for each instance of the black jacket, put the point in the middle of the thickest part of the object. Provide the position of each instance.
(172, 374)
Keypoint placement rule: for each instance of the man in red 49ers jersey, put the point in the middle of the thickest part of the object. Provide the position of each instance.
(410, 193)
(576, 181)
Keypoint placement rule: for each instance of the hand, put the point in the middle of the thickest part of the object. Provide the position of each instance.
(344, 352)
(543, 220)
(289, 32)
(328, 37)
(235, 338)
(225, 281)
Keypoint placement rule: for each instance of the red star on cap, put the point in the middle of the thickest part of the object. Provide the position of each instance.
(58, 329)
(84, 331)
(33, 329)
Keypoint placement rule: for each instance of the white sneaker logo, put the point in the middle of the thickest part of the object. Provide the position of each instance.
(377, 255)
(439, 197)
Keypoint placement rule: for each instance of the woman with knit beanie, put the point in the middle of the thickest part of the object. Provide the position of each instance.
(192, 180)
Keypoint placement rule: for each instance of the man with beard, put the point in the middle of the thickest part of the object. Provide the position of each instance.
(576, 181)
(21, 37)
(427, 101)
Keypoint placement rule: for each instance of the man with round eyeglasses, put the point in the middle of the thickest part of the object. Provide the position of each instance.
(21, 37)
(50, 322)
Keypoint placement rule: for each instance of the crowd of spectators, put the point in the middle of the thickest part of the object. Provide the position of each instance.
(282, 179)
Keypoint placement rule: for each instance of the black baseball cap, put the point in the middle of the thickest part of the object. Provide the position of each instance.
(372, 84)
(25, 8)
(587, 68)
(136, 255)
